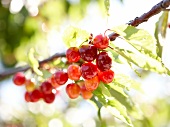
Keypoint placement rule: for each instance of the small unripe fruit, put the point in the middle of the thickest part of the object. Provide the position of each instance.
(29, 85)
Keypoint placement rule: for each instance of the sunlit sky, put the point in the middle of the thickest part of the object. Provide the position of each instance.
(119, 14)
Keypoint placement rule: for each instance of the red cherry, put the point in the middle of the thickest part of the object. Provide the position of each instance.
(85, 93)
(27, 97)
(103, 61)
(49, 98)
(73, 90)
(101, 42)
(35, 95)
(60, 77)
(92, 84)
(168, 25)
(72, 54)
(88, 52)
(53, 82)
(88, 70)
(46, 87)
(74, 72)
(106, 76)
(19, 79)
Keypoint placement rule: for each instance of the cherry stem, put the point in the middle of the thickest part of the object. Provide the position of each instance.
(106, 31)
(110, 47)
(83, 42)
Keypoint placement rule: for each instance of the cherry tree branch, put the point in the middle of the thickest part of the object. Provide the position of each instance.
(25, 68)
(161, 6)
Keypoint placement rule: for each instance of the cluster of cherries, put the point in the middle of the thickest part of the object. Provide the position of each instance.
(96, 68)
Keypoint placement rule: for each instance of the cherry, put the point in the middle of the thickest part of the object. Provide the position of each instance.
(53, 82)
(88, 70)
(46, 87)
(72, 54)
(168, 25)
(92, 84)
(101, 42)
(27, 97)
(19, 78)
(49, 98)
(103, 61)
(60, 77)
(73, 90)
(74, 72)
(106, 76)
(35, 95)
(88, 52)
(29, 85)
(85, 93)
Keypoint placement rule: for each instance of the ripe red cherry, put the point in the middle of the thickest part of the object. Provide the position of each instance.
(72, 54)
(35, 95)
(101, 42)
(73, 90)
(92, 84)
(74, 72)
(106, 76)
(103, 61)
(60, 77)
(85, 93)
(53, 82)
(168, 25)
(88, 70)
(19, 79)
(88, 52)
(27, 97)
(46, 87)
(49, 98)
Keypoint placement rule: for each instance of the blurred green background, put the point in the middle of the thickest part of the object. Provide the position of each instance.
(40, 24)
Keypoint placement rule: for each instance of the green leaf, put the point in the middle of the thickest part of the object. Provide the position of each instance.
(124, 81)
(160, 31)
(124, 99)
(138, 38)
(119, 111)
(34, 62)
(74, 37)
(112, 104)
(121, 95)
(104, 89)
(144, 61)
(100, 96)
